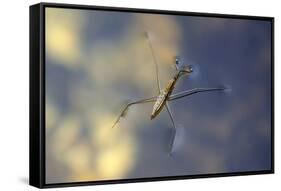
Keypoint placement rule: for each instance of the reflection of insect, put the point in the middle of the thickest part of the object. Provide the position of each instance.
(165, 95)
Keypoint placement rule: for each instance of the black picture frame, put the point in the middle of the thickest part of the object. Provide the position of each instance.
(37, 152)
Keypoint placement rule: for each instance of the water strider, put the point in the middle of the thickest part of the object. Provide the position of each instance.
(165, 95)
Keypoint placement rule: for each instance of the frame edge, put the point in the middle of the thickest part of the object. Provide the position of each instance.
(35, 172)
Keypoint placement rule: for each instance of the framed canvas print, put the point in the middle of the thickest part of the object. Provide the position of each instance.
(126, 95)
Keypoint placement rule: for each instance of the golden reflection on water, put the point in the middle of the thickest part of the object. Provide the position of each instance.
(63, 36)
(81, 141)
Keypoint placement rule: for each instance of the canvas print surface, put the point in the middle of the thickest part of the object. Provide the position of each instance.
(110, 116)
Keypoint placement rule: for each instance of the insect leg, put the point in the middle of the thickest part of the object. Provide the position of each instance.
(181, 95)
(125, 109)
(174, 129)
(167, 106)
(154, 61)
(170, 114)
(193, 91)
(172, 141)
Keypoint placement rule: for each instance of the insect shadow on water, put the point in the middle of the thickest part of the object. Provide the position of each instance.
(165, 94)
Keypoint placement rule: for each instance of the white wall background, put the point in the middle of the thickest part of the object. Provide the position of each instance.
(14, 88)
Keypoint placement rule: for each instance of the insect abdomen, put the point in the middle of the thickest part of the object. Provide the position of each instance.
(162, 98)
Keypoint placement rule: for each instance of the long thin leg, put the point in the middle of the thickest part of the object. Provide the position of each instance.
(125, 109)
(193, 91)
(159, 88)
(167, 106)
(181, 95)
(170, 114)
(154, 61)
(152, 99)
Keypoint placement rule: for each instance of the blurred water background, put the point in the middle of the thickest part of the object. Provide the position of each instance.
(97, 61)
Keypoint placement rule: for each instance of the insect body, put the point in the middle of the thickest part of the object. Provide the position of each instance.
(165, 95)
(166, 92)
(160, 102)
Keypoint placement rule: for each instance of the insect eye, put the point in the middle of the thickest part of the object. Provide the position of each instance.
(177, 61)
